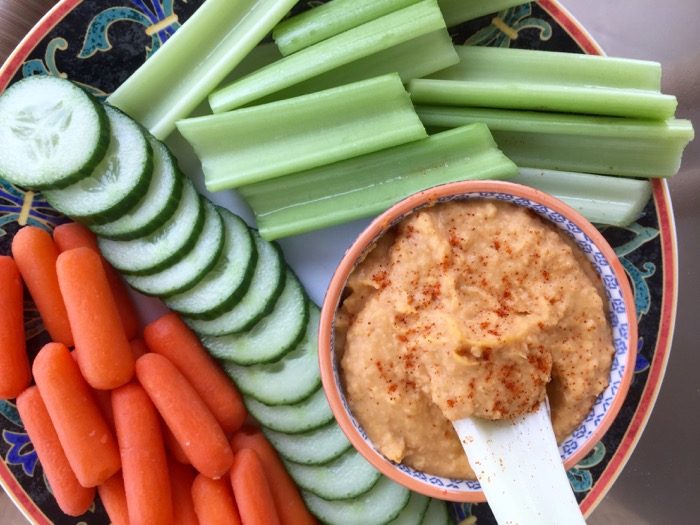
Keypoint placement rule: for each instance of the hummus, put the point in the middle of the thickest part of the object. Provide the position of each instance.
(472, 308)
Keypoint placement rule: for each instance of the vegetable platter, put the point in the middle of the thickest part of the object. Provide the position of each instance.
(100, 44)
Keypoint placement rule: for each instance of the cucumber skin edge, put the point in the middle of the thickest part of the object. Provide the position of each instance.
(191, 240)
(157, 221)
(279, 356)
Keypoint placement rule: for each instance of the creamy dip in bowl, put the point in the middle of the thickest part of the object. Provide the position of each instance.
(474, 299)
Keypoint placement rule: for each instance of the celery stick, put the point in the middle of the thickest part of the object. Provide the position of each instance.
(367, 185)
(458, 11)
(551, 67)
(591, 100)
(579, 143)
(382, 33)
(548, 81)
(617, 201)
(195, 60)
(262, 142)
(413, 59)
(330, 19)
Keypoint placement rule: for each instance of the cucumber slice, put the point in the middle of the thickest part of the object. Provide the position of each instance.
(192, 268)
(309, 414)
(156, 206)
(312, 448)
(412, 514)
(289, 380)
(346, 477)
(223, 286)
(52, 133)
(437, 513)
(116, 183)
(165, 246)
(265, 287)
(378, 506)
(272, 337)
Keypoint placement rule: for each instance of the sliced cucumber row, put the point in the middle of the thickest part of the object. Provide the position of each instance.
(192, 268)
(285, 381)
(265, 287)
(224, 285)
(306, 415)
(271, 337)
(317, 447)
(156, 206)
(167, 245)
(379, 505)
(52, 133)
(116, 183)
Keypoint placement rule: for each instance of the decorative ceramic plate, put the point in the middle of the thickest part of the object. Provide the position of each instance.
(98, 43)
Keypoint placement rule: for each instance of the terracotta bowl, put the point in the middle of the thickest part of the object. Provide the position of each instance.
(621, 313)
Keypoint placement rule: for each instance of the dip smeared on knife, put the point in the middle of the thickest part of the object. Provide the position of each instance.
(469, 309)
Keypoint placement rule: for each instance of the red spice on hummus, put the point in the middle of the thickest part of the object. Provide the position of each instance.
(476, 308)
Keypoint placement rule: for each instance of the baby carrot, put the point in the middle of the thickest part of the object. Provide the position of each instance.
(73, 235)
(138, 348)
(15, 374)
(35, 254)
(113, 498)
(189, 418)
(101, 345)
(84, 434)
(181, 479)
(252, 490)
(290, 507)
(144, 463)
(213, 501)
(72, 498)
(170, 337)
(174, 447)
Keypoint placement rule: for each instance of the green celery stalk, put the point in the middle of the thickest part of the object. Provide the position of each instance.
(367, 185)
(617, 201)
(578, 143)
(551, 67)
(548, 81)
(267, 141)
(413, 59)
(458, 11)
(370, 38)
(330, 19)
(173, 82)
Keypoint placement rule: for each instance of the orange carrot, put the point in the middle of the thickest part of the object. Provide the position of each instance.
(35, 255)
(213, 501)
(113, 498)
(15, 374)
(84, 434)
(290, 507)
(181, 479)
(103, 351)
(72, 498)
(174, 447)
(189, 418)
(103, 398)
(104, 401)
(170, 336)
(252, 490)
(144, 463)
(73, 235)
(138, 348)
